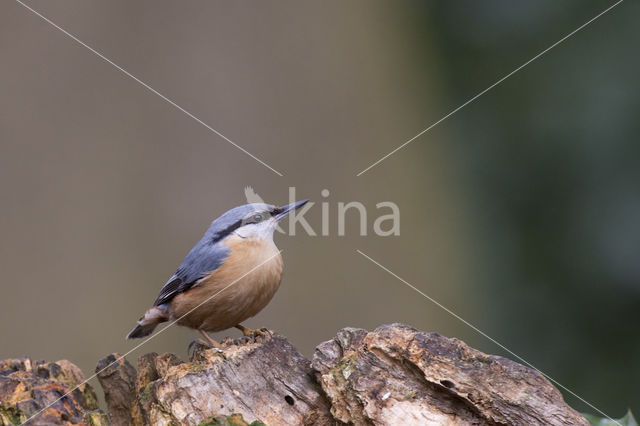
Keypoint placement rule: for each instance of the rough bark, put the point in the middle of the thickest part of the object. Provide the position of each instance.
(117, 378)
(265, 380)
(399, 375)
(394, 375)
(27, 387)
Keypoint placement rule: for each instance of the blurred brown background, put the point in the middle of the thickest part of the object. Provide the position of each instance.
(520, 212)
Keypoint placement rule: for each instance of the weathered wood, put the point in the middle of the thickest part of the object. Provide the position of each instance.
(399, 375)
(394, 375)
(118, 379)
(266, 380)
(27, 387)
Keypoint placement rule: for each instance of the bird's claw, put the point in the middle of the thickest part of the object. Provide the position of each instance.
(193, 348)
(262, 332)
(265, 332)
(241, 340)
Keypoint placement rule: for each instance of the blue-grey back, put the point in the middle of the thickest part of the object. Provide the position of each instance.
(207, 255)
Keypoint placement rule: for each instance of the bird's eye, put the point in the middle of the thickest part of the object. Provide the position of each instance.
(257, 218)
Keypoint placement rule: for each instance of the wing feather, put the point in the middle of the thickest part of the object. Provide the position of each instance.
(201, 261)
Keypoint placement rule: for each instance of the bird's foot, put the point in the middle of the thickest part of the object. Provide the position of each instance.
(250, 332)
(199, 343)
(241, 340)
(264, 332)
(208, 341)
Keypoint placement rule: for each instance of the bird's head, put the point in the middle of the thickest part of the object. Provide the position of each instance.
(255, 220)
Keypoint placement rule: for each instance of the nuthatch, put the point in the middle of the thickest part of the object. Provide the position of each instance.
(237, 248)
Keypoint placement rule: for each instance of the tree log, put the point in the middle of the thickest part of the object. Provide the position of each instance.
(265, 380)
(399, 375)
(28, 388)
(394, 375)
(117, 377)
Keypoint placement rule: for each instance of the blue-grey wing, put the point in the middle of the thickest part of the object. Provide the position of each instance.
(200, 262)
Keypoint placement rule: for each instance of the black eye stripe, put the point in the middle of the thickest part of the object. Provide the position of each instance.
(246, 221)
(223, 234)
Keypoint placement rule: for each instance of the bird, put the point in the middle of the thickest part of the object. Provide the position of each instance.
(230, 275)
(253, 197)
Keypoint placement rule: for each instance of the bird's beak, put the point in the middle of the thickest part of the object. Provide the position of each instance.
(285, 210)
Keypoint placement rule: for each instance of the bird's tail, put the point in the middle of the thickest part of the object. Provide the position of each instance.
(148, 322)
